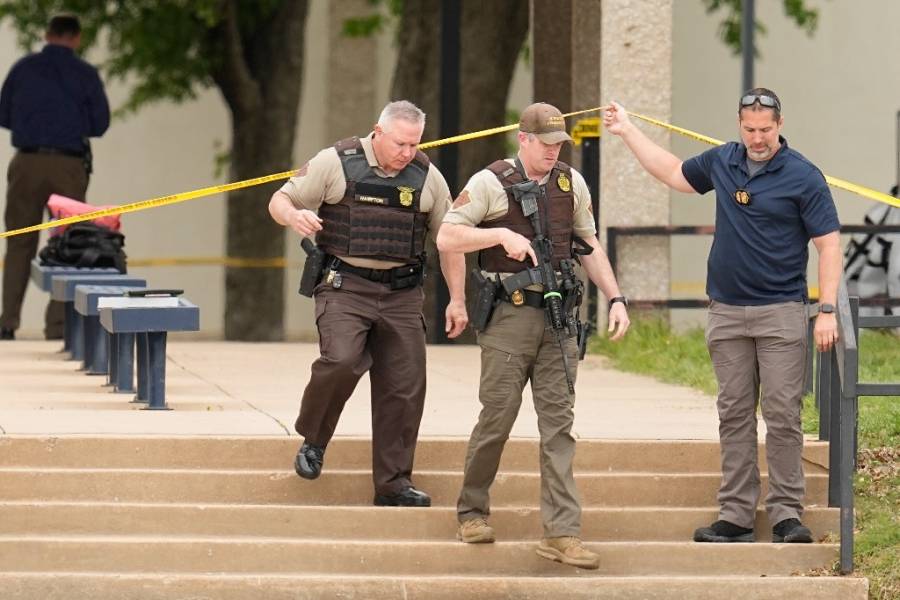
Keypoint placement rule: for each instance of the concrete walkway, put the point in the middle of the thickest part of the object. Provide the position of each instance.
(231, 388)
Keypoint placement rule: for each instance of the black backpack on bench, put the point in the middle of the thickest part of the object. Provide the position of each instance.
(86, 245)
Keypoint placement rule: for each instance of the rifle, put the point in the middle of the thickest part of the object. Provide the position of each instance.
(526, 193)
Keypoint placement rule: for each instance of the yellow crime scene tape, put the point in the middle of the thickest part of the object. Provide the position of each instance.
(270, 263)
(218, 189)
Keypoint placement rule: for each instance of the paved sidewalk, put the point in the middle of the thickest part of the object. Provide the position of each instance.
(233, 388)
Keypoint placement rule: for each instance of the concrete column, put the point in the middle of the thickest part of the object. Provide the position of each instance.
(636, 62)
(352, 106)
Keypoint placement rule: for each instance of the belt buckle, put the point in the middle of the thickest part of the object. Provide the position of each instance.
(517, 298)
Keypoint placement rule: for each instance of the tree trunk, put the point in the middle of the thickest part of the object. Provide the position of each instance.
(260, 78)
(417, 74)
(492, 38)
(487, 62)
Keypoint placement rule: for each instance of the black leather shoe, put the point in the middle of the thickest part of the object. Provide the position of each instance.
(407, 497)
(791, 531)
(723, 531)
(7, 334)
(308, 463)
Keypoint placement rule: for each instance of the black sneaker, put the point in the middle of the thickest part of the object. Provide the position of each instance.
(308, 463)
(791, 531)
(7, 334)
(723, 532)
(406, 497)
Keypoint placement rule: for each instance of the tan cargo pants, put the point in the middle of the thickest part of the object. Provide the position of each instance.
(759, 354)
(516, 348)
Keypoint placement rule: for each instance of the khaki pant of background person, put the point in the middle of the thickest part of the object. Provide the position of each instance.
(515, 348)
(364, 326)
(753, 349)
(31, 178)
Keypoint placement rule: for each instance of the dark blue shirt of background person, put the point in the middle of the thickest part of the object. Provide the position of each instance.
(53, 99)
(763, 222)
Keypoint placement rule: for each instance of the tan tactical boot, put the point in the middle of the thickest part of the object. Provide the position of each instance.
(475, 531)
(568, 550)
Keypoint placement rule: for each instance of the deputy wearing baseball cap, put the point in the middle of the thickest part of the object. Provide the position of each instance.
(545, 122)
(516, 345)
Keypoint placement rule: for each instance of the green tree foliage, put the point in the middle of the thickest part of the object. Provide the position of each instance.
(730, 28)
(374, 22)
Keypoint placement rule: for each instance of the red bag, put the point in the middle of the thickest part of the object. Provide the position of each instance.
(61, 207)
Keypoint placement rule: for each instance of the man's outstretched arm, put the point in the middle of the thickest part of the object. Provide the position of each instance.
(656, 160)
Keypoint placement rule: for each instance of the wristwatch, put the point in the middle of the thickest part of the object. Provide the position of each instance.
(826, 308)
(621, 299)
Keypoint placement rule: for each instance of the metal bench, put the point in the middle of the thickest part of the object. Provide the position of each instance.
(96, 354)
(42, 275)
(63, 290)
(149, 320)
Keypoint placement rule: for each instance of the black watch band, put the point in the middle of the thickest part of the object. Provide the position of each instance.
(621, 299)
(826, 308)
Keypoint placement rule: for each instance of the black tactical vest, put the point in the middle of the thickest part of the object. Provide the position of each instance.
(378, 217)
(556, 210)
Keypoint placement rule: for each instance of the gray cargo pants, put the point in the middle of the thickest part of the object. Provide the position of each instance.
(759, 354)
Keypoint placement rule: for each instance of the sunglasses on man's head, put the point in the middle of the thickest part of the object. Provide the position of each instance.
(767, 101)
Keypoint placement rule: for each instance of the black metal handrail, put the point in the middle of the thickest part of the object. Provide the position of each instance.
(837, 396)
(846, 357)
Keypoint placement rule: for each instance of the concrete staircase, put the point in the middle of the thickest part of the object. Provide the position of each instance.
(153, 518)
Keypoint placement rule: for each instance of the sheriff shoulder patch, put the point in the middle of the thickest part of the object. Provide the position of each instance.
(461, 200)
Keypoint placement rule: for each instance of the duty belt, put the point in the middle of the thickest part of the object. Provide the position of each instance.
(528, 297)
(51, 150)
(404, 272)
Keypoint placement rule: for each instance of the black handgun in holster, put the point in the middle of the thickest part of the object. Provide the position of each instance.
(584, 332)
(312, 268)
(486, 294)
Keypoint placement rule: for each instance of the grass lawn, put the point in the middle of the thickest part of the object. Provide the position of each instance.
(652, 348)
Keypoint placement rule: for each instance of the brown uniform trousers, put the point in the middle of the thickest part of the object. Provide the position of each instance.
(364, 326)
(516, 347)
(753, 349)
(31, 178)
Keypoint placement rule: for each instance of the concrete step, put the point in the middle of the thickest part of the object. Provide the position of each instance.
(166, 586)
(273, 453)
(357, 522)
(355, 487)
(218, 554)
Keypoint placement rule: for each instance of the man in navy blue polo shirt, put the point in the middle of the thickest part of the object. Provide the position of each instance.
(770, 202)
(52, 101)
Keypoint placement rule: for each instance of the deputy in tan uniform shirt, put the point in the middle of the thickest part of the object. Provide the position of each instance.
(370, 202)
(517, 345)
